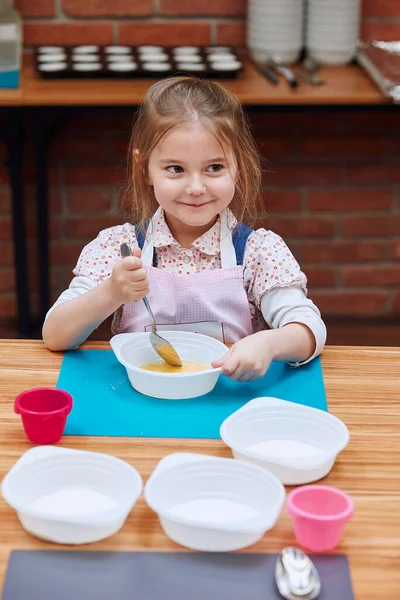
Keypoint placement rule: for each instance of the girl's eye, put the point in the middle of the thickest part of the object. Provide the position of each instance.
(215, 168)
(175, 169)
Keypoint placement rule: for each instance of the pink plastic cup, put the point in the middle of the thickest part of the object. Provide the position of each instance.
(44, 413)
(319, 514)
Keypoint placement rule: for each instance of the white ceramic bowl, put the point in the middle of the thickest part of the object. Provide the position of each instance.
(297, 443)
(71, 496)
(134, 349)
(213, 504)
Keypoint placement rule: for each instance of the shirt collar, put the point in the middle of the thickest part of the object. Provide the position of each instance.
(208, 243)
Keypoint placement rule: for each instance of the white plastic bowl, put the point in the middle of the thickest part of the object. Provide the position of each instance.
(71, 496)
(297, 443)
(213, 504)
(134, 349)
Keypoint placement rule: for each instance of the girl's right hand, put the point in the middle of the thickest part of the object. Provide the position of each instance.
(129, 279)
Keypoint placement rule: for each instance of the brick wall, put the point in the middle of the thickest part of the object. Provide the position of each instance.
(143, 21)
(331, 184)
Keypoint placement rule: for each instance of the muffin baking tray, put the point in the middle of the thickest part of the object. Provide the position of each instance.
(136, 61)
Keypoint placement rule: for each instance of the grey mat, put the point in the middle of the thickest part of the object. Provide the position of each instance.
(76, 575)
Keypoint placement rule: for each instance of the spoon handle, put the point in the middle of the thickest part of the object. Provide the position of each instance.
(147, 305)
(126, 251)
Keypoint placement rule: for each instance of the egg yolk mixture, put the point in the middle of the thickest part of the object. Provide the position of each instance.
(188, 366)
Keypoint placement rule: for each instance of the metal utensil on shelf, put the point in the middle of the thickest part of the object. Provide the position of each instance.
(284, 70)
(267, 72)
(160, 344)
(296, 575)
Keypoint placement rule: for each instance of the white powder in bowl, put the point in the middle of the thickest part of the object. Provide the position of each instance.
(74, 501)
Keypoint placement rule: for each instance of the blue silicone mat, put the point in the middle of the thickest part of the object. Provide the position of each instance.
(105, 403)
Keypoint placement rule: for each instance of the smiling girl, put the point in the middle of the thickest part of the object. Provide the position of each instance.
(195, 177)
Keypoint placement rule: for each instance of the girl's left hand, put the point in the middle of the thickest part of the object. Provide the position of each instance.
(248, 359)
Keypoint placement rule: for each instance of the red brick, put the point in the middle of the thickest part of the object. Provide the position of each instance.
(396, 303)
(298, 227)
(65, 253)
(6, 254)
(275, 147)
(118, 149)
(3, 148)
(89, 201)
(396, 147)
(195, 8)
(349, 199)
(3, 176)
(95, 124)
(108, 8)
(302, 174)
(338, 147)
(167, 34)
(340, 252)
(381, 276)
(5, 200)
(8, 304)
(373, 174)
(381, 8)
(35, 8)
(265, 124)
(5, 228)
(68, 33)
(339, 303)
(56, 201)
(95, 175)
(277, 201)
(30, 200)
(7, 280)
(232, 34)
(368, 121)
(321, 277)
(55, 228)
(381, 31)
(371, 226)
(394, 250)
(54, 175)
(67, 150)
(87, 228)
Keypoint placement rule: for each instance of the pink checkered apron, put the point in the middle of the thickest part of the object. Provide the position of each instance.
(212, 302)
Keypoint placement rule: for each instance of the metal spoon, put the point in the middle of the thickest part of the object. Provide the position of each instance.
(296, 575)
(160, 345)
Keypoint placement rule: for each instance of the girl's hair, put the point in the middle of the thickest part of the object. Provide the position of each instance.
(178, 101)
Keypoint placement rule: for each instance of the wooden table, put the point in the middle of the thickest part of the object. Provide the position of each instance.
(345, 85)
(363, 389)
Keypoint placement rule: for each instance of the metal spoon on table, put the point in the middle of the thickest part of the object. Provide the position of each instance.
(296, 576)
(160, 344)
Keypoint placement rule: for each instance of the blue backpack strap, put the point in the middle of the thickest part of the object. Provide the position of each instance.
(140, 238)
(239, 239)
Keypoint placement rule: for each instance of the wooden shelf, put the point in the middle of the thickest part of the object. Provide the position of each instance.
(346, 85)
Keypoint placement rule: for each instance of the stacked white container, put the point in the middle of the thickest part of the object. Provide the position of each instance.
(332, 30)
(275, 30)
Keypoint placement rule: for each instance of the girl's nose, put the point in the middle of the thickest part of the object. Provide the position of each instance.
(195, 187)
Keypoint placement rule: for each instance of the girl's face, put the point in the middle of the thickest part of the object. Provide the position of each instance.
(192, 179)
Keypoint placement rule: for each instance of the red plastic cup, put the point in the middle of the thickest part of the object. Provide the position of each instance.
(319, 514)
(44, 413)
